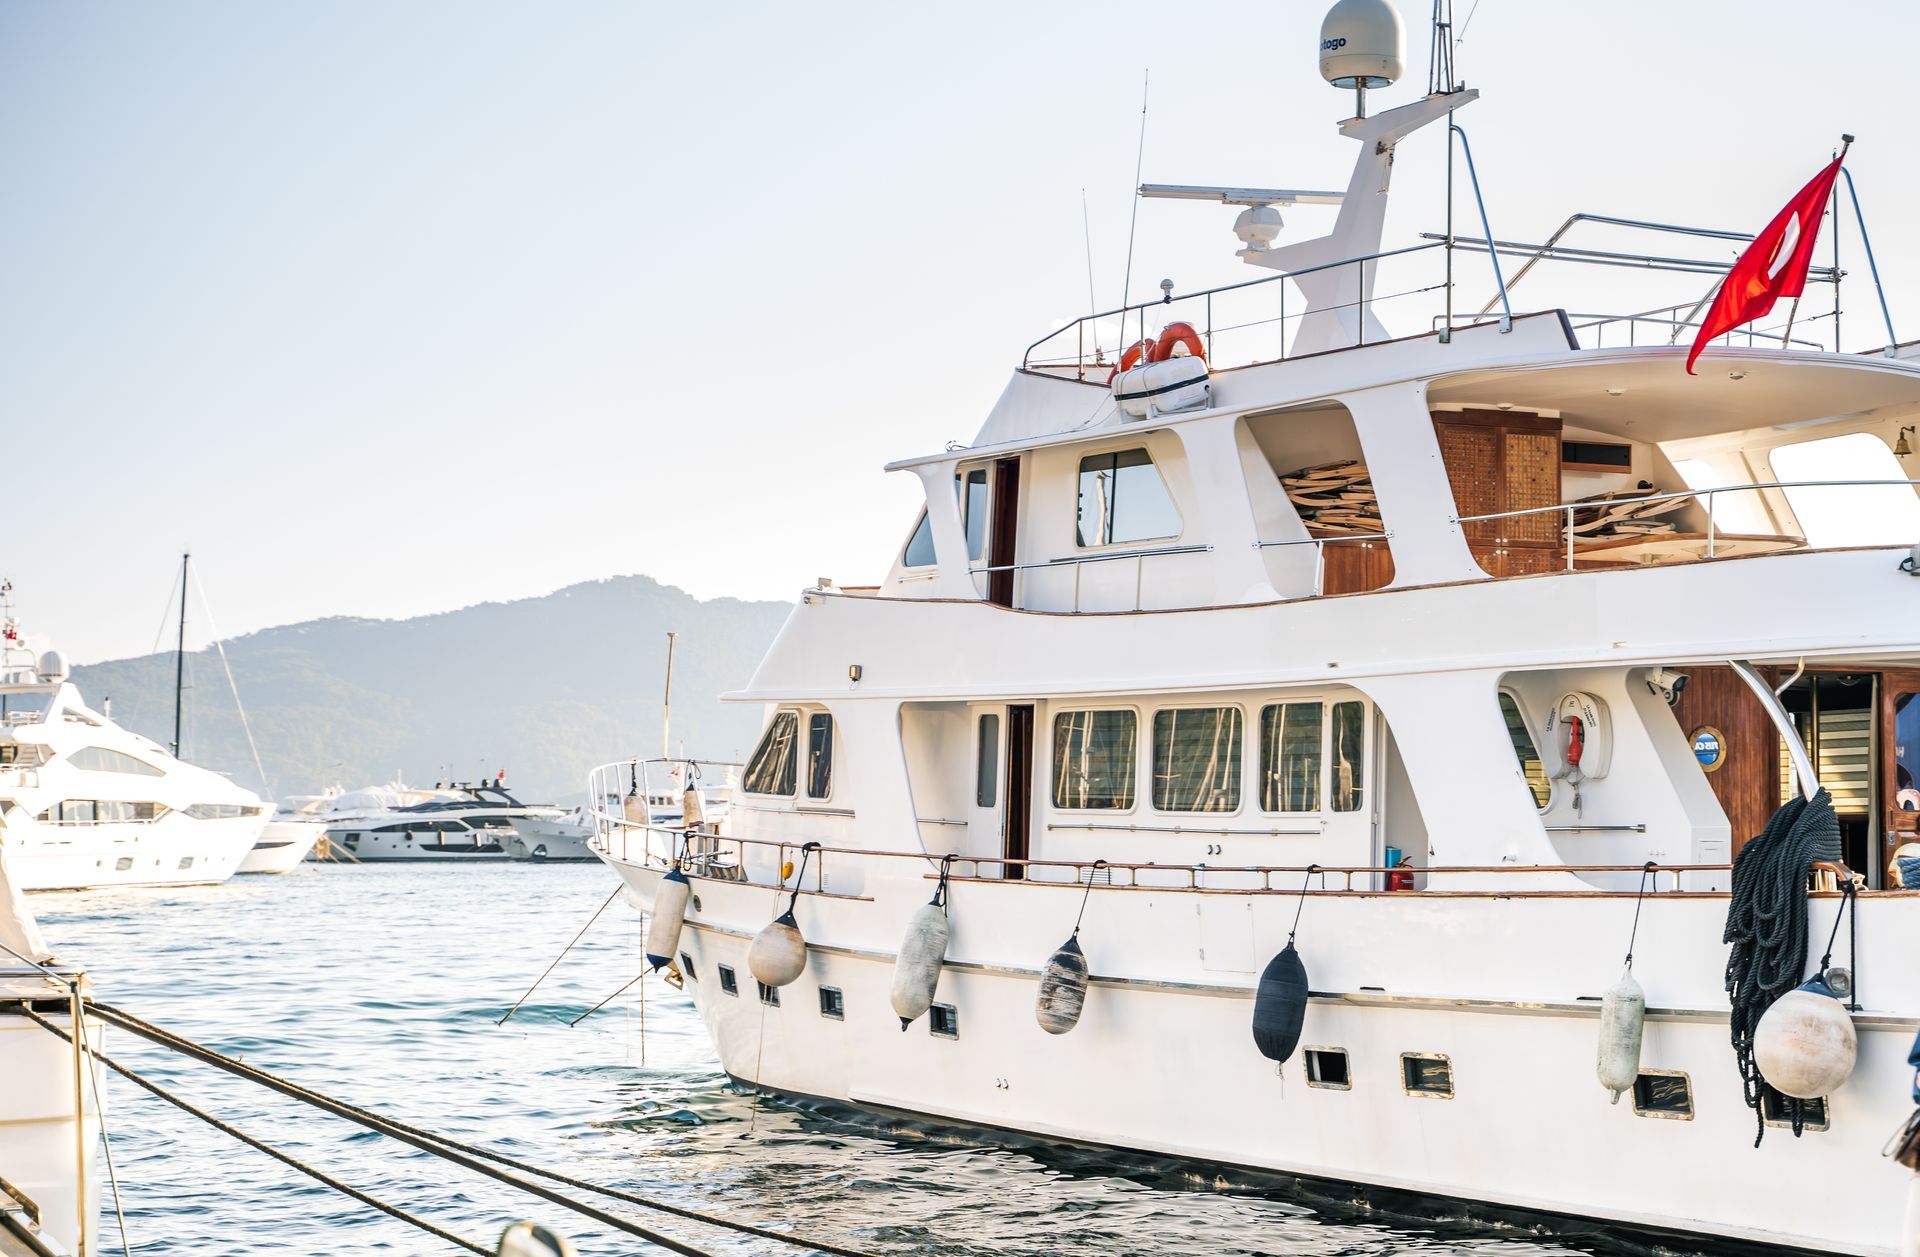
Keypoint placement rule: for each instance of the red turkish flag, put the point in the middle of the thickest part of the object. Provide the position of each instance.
(1774, 265)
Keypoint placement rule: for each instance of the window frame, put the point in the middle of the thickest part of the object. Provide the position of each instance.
(986, 760)
(1053, 766)
(1121, 447)
(1368, 750)
(1546, 769)
(766, 734)
(1406, 1082)
(1239, 760)
(924, 521)
(1306, 1064)
(804, 783)
(1663, 1114)
(1321, 770)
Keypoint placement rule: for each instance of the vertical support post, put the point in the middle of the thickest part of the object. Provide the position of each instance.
(1833, 209)
(81, 1179)
(1446, 333)
(1486, 229)
(1711, 499)
(1569, 536)
(1873, 268)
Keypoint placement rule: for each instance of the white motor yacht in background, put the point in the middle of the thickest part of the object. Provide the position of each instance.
(464, 821)
(49, 1126)
(88, 803)
(293, 833)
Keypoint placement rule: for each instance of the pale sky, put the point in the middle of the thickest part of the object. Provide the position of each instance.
(386, 309)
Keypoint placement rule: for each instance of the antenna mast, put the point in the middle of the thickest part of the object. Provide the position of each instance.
(1440, 70)
(666, 704)
(1139, 159)
(180, 656)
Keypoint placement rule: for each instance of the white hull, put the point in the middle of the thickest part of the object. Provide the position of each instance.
(1164, 1061)
(175, 850)
(45, 1152)
(281, 847)
(370, 847)
(549, 841)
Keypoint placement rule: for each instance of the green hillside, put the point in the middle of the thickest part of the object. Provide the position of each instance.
(544, 688)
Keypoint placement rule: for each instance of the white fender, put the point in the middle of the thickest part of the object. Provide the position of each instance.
(916, 971)
(1063, 988)
(693, 808)
(1805, 1044)
(1623, 1017)
(778, 954)
(527, 1239)
(669, 915)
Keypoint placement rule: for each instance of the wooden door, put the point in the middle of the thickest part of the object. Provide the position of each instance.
(1018, 839)
(1353, 567)
(1716, 709)
(1003, 547)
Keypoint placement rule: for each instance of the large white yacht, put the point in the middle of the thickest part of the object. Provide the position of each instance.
(463, 821)
(88, 803)
(1405, 640)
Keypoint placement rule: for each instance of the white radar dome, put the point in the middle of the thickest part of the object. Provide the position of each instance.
(53, 667)
(1258, 226)
(1360, 44)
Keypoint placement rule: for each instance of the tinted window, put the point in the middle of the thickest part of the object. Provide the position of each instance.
(987, 768)
(101, 760)
(1523, 750)
(1196, 759)
(1123, 499)
(1349, 741)
(772, 768)
(1093, 759)
(819, 755)
(975, 507)
(920, 547)
(1290, 757)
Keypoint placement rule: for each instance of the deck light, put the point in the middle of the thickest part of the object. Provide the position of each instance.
(853, 673)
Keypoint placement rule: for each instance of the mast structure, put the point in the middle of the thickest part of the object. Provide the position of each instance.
(180, 656)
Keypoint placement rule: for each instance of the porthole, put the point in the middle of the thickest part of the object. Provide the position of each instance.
(1329, 1068)
(1663, 1093)
(686, 968)
(769, 995)
(943, 1021)
(728, 983)
(833, 1005)
(1427, 1074)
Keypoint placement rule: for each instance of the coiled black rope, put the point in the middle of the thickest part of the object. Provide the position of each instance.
(1767, 927)
(372, 1202)
(470, 1156)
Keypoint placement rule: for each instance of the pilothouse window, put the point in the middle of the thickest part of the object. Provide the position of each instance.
(974, 508)
(1196, 759)
(819, 755)
(1290, 757)
(920, 546)
(1523, 750)
(101, 760)
(772, 769)
(1093, 759)
(1349, 764)
(1122, 499)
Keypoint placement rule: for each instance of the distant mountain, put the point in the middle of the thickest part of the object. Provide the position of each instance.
(544, 688)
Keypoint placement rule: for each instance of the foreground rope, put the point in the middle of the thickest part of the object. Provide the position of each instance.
(1767, 926)
(472, 1156)
(392, 1211)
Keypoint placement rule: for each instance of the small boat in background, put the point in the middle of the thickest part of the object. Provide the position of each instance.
(293, 833)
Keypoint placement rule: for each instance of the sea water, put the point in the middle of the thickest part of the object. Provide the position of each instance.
(382, 985)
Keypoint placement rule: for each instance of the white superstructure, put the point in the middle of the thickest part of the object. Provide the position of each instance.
(1313, 645)
(462, 821)
(88, 803)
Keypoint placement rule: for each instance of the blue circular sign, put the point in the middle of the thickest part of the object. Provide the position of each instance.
(1709, 747)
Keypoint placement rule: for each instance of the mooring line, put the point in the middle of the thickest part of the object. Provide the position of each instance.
(283, 1157)
(563, 954)
(465, 1154)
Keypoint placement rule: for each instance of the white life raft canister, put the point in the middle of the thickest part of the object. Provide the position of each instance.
(1178, 383)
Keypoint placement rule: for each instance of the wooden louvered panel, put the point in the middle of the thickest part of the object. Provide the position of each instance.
(1471, 454)
(1354, 567)
(1532, 480)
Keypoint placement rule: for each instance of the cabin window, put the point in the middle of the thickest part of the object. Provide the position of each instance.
(1663, 1093)
(1349, 763)
(833, 1005)
(686, 967)
(1846, 514)
(1290, 757)
(920, 545)
(1777, 1110)
(819, 755)
(1093, 759)
(1196, 759)
(986, 781)
(1122, 498)
(1426, 1074)
(1523, 750)
(1329, 1068)
(769, 995)
(728, 983)
(772, 768)
(943, 1021)
(973, 512)
(101, 760)
(220, 811)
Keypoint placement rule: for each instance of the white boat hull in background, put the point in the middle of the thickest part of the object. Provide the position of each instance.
(547, 841)
(281, 847)
(175, 850)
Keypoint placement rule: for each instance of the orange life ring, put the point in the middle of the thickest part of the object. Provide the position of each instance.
(1131, 356)
(1176, 334)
